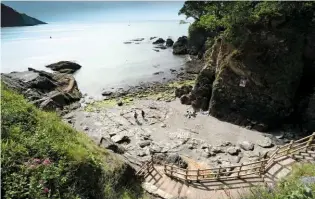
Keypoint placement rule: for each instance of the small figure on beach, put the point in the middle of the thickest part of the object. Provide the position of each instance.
(50, 37)
(194, 113)
(188, 114)
(135, 115)
(142, 113)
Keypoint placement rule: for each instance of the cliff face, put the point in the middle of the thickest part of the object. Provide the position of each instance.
(11, 18)
(260, 83)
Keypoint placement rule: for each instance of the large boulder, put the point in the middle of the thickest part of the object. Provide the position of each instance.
(159, 41)
(185, 99)
(175, 159)
(46, 90)
(64, 67)
(183, 90)
(180, 47)
(169, 42)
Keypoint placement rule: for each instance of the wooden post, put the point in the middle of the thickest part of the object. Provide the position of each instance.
(310, 141)
(261, 169)
(148, 166)
(198, 175)
(186, 174)
(289, 147)
(239, 171)
(165, 168)
(218, 176)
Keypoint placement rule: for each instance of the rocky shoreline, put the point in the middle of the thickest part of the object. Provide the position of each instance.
(150, 118)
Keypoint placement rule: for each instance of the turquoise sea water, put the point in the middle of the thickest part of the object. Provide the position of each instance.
(106, 61)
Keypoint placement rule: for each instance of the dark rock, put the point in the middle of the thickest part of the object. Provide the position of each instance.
(216, 150)
(120, 103)
(64, 66)
(159, 41)
(11, 18)
(46, 90)
(256, 92)
(158, 73)
(138, 39)
(233, 150)
(108, 144)
(226, 143)
(173, 70)
(197, 40)
(144, 143)
(160, 46)
(169, 42)
(156, 50)
(127, 42)
(120, 138)
(185, 100)
(175, 159)
(184, 90)
(180, 46)
(152, 38)
(107, 93)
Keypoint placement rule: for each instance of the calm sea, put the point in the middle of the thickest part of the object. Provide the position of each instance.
(106, 61)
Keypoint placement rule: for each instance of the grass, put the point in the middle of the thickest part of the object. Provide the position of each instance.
(42, 157)
(159, 92)
(290, 187)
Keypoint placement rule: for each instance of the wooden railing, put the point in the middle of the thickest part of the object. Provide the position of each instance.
(146, 168)
(257, 168)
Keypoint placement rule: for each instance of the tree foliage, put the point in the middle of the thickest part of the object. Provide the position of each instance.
(237, 17)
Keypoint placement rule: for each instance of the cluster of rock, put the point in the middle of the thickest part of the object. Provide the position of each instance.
(159, 44)
(49, 91)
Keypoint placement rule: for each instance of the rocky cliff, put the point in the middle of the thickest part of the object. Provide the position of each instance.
(11, 18)
(265, 81)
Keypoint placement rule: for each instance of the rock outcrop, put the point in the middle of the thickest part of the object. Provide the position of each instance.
(159, 41)
(255, 84)
(180, 47)
(11, 18)
(64, 67)
(197, 40)
(169, 42)
(49, 91)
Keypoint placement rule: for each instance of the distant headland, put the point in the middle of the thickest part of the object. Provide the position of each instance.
(12, 18)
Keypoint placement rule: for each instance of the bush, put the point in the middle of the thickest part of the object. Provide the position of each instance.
(42, 157)
(290, 187)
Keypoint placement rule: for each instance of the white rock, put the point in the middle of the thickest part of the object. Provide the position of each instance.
(265, 142)
(247, 146)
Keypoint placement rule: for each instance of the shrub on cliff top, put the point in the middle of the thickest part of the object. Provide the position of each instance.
(238, 18)
(290, 187)
(42, 157)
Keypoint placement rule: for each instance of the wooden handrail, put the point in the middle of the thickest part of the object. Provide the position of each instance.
(219, 172)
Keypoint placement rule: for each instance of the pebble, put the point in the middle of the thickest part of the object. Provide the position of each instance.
(163, 125)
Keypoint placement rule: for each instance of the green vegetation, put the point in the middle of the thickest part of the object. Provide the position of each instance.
(158, 92)
(290, 187)
(239, 18)
(42, 157)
